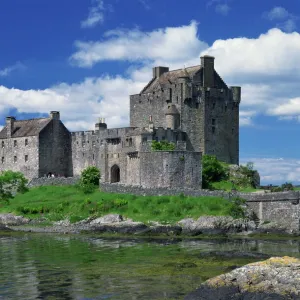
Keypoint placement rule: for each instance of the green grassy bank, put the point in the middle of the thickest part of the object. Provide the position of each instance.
(61, 202)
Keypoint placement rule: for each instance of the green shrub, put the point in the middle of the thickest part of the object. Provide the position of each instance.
(288, 186)
(89, 180)
(162, 146)
(237, 208)
(212, 170)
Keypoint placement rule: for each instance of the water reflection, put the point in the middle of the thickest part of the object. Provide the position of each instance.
(34, 266)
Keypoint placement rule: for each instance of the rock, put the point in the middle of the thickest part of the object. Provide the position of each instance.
(125, 227)
(215, 225)
(4, 228)
(62, 223)
(159, 229)
(12, 220)
(111, 218)
(276, 278)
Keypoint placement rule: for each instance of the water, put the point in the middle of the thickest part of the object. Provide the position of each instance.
(36, 266)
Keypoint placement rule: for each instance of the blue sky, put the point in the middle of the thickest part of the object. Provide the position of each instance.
(85, 57)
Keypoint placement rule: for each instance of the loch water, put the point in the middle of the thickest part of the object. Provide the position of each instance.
(49, 266)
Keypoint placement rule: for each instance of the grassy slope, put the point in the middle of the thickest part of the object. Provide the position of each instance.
(227, 186)
(60, 202)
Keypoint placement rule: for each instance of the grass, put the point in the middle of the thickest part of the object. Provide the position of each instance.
(227, 186)
(61, 202)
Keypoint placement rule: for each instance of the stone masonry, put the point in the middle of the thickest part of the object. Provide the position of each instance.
(190, 107)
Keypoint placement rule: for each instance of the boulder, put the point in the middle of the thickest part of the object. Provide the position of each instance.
(215, 225)
(276, 278)
(111, 218)
(12, 220)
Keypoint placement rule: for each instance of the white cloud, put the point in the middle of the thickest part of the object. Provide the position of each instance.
(246, 117)
(276, 170)
(277, 13)
(6, 71)
(169, 44)
(95, 16)
(222, 9)
(86, 101)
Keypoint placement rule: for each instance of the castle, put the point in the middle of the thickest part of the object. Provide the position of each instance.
(190, 107)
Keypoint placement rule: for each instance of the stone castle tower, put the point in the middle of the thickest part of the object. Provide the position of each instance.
(191, 107)
(196, 101)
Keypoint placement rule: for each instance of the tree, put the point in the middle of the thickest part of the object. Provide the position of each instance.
(11, 183)
(212, 170)
(89, 179)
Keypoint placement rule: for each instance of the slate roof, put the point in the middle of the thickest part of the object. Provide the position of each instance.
(22, 128)
(170, 76)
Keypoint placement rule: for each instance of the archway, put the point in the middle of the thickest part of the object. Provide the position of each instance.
(115, 174)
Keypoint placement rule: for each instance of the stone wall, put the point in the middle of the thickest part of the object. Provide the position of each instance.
(282, 208)
(55, 152)
(20, 155)
(44, 181)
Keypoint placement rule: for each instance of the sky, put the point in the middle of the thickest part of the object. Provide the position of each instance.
(85, 57)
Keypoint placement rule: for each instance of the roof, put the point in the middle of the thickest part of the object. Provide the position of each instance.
(22, 128)
(170, 76)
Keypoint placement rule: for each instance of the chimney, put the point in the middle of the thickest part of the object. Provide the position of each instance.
(101, 125)
(10, 126)
(207, 63)
(158, 71)
(54, 115)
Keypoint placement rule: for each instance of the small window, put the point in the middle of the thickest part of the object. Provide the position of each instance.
(107, 155)
(232, 130)
(26, 157)
(213, 105)
(144, 140)
(15, 159)
(225, 108)
(93, 156)
(130, 142)
(213, 122)
(213, 129)
(2, 159)
(82, 154)
(26, 142)
(94, 143)
(15, 143)
(83, 144)
(3, 144)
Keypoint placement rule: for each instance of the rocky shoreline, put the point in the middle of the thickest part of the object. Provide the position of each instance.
(117, 224)
(277, 278)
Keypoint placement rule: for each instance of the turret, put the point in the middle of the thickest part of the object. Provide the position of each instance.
(172, 117)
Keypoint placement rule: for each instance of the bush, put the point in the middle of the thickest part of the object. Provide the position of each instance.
(10, 184)
(237, 208)
(212, 170)
(162, 146)
(288, 186)
(89, 179)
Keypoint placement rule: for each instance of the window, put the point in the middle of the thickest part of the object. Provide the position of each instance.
(83, 144)
(213, 129)
(93, 156)
(26, 142)
(15, 159)
(232, 130)
(213, 122)
(130, 142)
(94, 143)
(26, 157)
(15, 143)
(171, 95)
(226, 107)
(2, 144)
(144, 140)
(214, 105)
(82, 154)
(2, 159)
